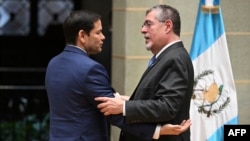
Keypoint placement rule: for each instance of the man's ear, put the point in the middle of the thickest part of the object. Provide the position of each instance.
(82, 36)
(169, 25)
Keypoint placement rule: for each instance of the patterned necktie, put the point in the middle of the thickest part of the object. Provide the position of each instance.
(151, 61)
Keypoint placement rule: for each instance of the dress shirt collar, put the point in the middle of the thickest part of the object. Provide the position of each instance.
(78, 48)
(164, 48)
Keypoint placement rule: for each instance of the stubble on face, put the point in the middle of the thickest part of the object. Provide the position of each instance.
(148, 46)
(96, 38)
(148, 43)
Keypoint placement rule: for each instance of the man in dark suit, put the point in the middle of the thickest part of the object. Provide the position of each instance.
(73, 80)
(164, 92)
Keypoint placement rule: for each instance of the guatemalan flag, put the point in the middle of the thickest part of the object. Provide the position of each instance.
(214, 101)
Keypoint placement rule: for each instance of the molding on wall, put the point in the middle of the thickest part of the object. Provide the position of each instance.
(238, 33)
(242, 81)
(131, 57)
(227, 33)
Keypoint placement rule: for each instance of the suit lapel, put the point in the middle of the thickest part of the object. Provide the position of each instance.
(178, 44)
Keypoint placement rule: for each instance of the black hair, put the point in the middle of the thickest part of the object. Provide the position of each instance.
(76, 21)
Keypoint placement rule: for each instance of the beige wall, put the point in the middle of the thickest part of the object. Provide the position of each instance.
(129, 57)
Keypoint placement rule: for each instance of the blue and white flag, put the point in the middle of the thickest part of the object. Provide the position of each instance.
(214, 101)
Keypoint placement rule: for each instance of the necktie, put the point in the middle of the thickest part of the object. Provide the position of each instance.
(151, 61)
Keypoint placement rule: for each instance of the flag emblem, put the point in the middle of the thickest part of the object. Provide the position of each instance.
(208, 95)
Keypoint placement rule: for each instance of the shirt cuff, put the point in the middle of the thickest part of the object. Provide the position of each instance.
(157, 132)
(123, 109)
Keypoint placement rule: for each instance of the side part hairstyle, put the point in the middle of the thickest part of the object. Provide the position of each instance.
(76, 21)
(166, 12)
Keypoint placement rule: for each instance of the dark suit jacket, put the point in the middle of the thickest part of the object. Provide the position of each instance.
(72, 82)
(166, 88)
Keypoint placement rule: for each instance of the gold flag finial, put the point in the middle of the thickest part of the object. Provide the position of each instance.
(210, 9)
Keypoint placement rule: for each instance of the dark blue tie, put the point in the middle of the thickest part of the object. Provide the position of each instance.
(151, 61)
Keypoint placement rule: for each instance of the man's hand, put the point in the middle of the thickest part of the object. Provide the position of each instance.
(111, 105)
(170, 129)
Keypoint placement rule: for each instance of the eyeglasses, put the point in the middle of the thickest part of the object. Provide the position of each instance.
(148, 23)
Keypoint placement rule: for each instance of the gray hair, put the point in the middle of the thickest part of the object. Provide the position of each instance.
(165, 12)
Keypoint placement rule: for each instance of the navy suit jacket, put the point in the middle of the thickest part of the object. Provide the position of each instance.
(72, 82)
(164, 91)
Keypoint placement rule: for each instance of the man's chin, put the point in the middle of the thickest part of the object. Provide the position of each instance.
(148, 47)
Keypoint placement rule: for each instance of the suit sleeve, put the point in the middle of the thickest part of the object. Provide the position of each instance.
(163, 94)
(99, 85)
